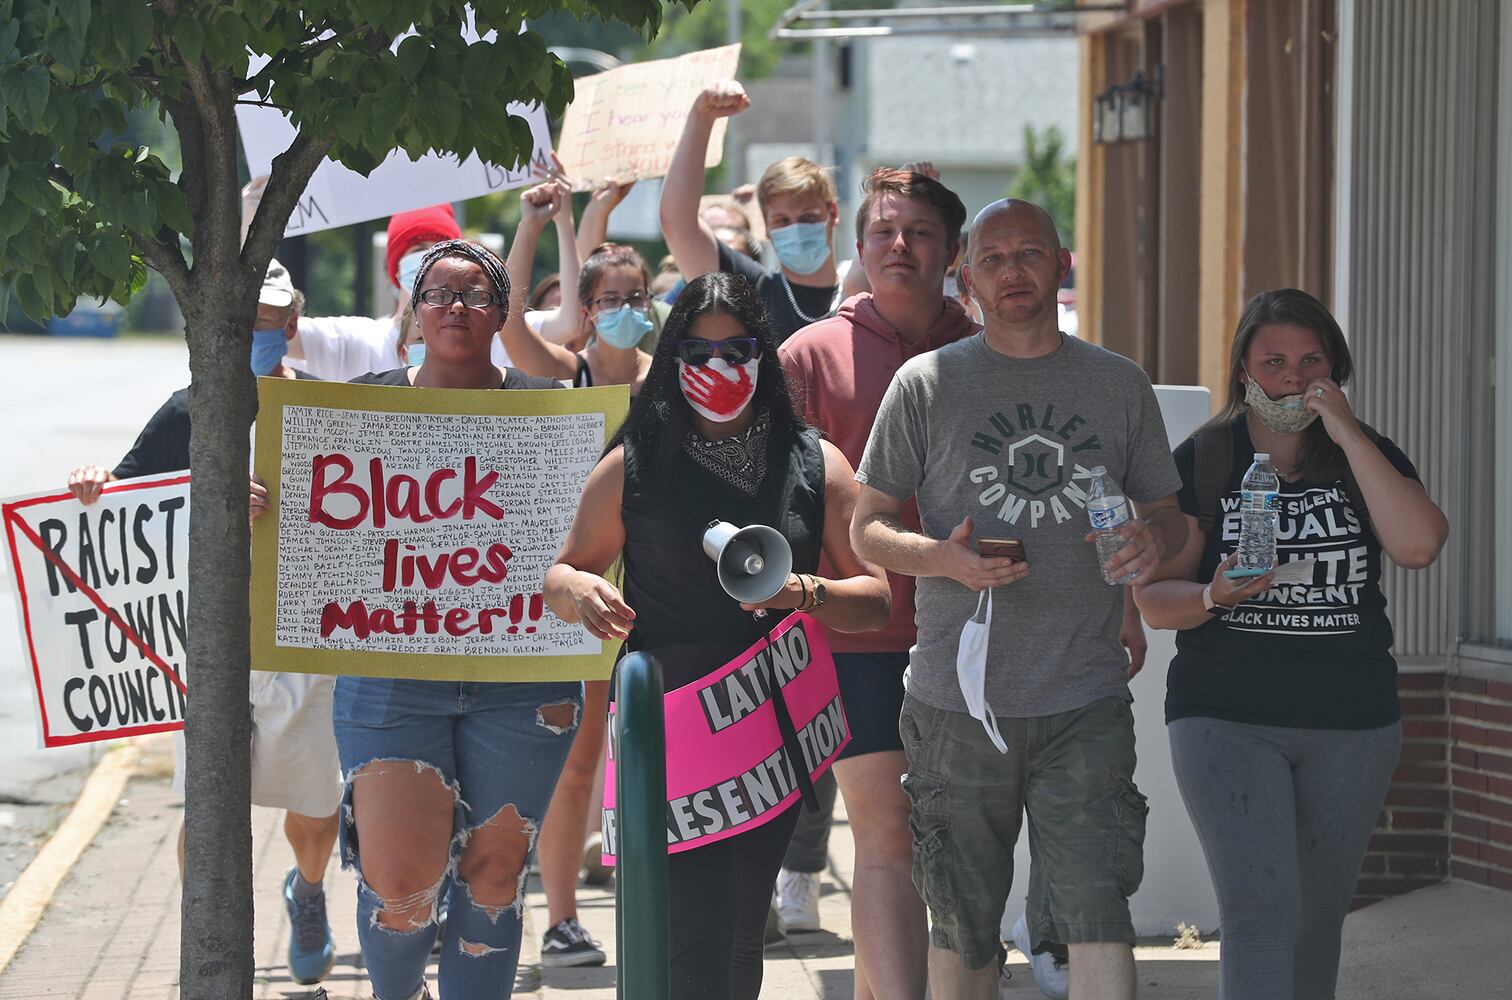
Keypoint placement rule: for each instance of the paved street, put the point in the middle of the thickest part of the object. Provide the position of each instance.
(68, 401)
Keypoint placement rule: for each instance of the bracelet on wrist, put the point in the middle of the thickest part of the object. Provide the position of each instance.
(803, 604)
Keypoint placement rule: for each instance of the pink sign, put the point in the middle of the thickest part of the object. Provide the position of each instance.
(727, 771)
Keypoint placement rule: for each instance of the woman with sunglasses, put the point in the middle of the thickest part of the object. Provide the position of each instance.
(615, 311)
(616, 315)
(445, 783)
(713, 435)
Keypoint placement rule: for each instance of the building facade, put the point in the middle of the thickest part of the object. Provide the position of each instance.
(1360, 150)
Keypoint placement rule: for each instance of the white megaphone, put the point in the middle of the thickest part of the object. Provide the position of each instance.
(753, 562)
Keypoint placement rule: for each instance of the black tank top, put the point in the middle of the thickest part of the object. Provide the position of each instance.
(682, 616)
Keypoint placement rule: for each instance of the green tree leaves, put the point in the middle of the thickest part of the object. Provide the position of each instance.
(1048, 178)
(77, 208)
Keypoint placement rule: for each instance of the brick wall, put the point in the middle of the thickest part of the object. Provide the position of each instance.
(1480, 749)
(1410, 847)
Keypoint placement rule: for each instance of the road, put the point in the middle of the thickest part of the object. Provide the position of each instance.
(67, 402)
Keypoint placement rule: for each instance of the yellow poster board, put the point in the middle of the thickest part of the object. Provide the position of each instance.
(411, 529)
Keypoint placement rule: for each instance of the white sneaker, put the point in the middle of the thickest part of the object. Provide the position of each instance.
(1051, 974)
(798, 900)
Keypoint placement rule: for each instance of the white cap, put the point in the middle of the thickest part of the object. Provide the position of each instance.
(1262, 456)
(277, 287)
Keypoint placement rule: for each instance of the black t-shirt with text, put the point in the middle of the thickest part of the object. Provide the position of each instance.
(163, 445)
(786, 321)
(1312, 655)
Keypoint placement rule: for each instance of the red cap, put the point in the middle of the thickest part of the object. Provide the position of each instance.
(423, 225)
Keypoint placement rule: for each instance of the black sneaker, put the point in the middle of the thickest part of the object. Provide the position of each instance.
(568, 944)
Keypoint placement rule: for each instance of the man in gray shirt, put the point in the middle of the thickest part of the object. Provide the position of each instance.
(995, 436)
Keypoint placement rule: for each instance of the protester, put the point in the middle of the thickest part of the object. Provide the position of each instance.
(547, 294)
(446, 782)
(1282, 696)
(907, 231)
(798, 207)
(343, 347)
(1028, 709)
(615, 312)
(668, 280)
(713, 435)
(294, 765)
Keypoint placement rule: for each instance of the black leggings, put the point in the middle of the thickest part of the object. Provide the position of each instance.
(719, 899)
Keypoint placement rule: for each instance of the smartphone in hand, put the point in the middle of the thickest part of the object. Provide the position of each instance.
(1001, 548)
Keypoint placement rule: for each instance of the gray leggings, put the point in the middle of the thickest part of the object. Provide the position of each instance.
(1284, 817)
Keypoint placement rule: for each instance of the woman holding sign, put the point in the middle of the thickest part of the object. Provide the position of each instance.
(447, 782)
(713, 435)
(1282, 701)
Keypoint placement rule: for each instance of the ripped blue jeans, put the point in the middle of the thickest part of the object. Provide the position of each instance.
(498, 748)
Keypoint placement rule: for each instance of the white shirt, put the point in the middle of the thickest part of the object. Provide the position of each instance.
(339, 348)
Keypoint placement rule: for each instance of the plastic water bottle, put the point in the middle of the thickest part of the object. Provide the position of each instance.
(1259, 510)
(1108, 510)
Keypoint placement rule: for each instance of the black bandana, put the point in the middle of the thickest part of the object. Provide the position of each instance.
(475, 252)
(740, 459)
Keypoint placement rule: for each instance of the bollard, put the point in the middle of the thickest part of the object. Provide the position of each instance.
(640, 796)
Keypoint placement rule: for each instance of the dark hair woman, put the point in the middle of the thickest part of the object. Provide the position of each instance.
(1281, 703)
(713, 435)
(614, 311)
(446, 782)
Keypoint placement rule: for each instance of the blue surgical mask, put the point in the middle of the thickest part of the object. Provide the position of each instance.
(623, 328)
(268, 347)
(415, 353)
(409, 266)
(802, 247)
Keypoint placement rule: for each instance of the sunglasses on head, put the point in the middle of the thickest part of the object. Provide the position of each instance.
(734, 351)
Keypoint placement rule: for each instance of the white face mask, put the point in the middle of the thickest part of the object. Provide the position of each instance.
(971, 669)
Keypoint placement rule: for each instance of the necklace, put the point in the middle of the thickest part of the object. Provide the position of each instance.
(793, 301)
(739, 460)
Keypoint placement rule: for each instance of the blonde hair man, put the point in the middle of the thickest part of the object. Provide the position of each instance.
(798, 205)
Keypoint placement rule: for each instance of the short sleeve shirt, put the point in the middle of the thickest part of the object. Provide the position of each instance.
(773, 290)
(1315, 654)
(1010, 443)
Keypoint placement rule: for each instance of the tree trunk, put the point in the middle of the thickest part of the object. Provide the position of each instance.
(215, 955)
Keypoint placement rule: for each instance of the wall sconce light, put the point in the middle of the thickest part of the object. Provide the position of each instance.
(1125, 112)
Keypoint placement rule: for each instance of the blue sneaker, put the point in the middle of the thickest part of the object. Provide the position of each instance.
(311, 950)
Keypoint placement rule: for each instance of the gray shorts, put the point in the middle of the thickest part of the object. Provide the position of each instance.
(1073, 773)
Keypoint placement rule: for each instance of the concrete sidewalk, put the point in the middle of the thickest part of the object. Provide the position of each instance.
(112, 931)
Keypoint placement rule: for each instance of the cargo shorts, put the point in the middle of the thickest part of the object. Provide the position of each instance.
(1073, 774)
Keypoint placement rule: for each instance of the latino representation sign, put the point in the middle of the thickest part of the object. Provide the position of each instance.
(727, 770)
(412, 529)
(102, 594)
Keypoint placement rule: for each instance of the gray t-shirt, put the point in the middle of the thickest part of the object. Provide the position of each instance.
(1010, 442)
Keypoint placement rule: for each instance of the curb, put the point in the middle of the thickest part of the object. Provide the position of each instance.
(23, 906)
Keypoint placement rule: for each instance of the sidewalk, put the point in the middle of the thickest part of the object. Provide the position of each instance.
(112, 932)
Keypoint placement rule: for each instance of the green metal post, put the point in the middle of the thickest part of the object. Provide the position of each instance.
(640, 804)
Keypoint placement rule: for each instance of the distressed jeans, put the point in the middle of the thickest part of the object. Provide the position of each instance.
(489, 743)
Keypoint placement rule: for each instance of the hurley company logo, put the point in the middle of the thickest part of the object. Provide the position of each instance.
(1036, 475)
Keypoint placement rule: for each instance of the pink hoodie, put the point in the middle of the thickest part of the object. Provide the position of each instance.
(840, 368)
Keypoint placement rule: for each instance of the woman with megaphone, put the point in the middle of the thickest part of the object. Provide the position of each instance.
(713, 436)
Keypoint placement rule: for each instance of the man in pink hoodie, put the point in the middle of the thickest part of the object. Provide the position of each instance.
(908, 231)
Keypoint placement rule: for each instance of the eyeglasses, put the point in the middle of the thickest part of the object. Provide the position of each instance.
(473, 298)
(735, 351)
(612, 301)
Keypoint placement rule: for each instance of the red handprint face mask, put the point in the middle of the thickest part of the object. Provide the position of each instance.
(718, 390)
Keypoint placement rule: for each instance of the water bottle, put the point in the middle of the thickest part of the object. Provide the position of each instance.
(1108, 510)
(1259, 510)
